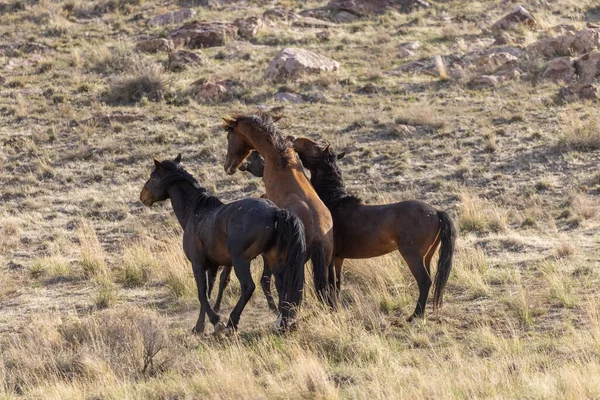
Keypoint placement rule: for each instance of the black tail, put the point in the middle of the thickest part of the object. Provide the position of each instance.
(448, 239)
(320, 272)
(291, 239)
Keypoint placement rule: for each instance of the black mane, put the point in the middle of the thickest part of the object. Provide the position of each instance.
(265, 122)
(176, 173)
(329, 184)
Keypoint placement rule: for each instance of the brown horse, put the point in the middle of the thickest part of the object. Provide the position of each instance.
(364, 231)
(286, 185)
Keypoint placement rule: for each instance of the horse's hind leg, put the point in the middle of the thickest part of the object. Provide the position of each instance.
(223, 282)
(422, 275)
(265, 284)
(205, 276)
(242, 271)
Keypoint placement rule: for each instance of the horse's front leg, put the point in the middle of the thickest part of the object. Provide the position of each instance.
(205, 273)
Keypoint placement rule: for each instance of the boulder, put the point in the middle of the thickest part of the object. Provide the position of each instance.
(560, 69)
(294, 62)
(588, 66)
(181, 59)
(484, 82)
(198, 35)
(572, 93)
(570, 44)
(155, 45)
(518, 17)
(287, 97)
(369, 7)
(323, 35)
(248, 27)
(173, 17)
(209, 92)
(492, 62)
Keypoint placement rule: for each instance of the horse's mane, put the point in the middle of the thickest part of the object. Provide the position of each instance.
(265, 122)
(330, 184)
(176, 173)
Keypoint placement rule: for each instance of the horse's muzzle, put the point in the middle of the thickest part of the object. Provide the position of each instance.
(146, 198)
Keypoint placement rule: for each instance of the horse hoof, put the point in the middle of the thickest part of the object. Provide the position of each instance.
(197, 331)
(229, 331)
(277, 326)
(219, 327)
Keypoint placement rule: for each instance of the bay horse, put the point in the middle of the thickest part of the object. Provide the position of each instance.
(286, 185)
(413, 228)
(233, 234)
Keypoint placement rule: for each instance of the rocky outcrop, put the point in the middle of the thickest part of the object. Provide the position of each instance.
(560, 69)
(492, 62)
(288, 97)
(279, 15)
(155, 45)
(517, 18)
(588, 66)
(182, 59)
(173, 17)
(575, 92)
(248, 27)
(293, 63)
(197, 35)
(571, 44)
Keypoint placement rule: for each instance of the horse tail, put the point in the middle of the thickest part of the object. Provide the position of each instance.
(320, 272)
(291, 239)
(448, 240)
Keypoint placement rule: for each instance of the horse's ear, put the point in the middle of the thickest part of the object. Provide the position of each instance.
(326, 149)
(341, 155)
(228, 122)
(177, 159)
(291, 138)
(157, 163)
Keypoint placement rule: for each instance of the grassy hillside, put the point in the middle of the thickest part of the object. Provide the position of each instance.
(97, 299)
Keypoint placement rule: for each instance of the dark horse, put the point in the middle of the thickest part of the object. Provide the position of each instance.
(287, 186)
(413, 228)
(216, 234)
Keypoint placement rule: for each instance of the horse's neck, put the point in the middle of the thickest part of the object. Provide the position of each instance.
(184, 198)
(261, 143)
(330, 188)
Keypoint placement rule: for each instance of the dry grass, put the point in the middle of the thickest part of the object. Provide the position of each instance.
(97, 297)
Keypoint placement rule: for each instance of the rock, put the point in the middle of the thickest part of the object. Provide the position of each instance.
(278, 15)
(503, 39)
(407, 49)
(323, 35)
(570, 44)
(155, 45)
(519, 17)
(492, 62)
(405, 53)
(484, 82)
(369, 88)
(560, 69)
(588, 66)
(210, 92)
(317, 97)
(572, 93)
(310, 22)
(294, 62)
(198, 35)
(369, 7)
(181, 59)
(173, 17)
(248, 27)
(287, 97)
